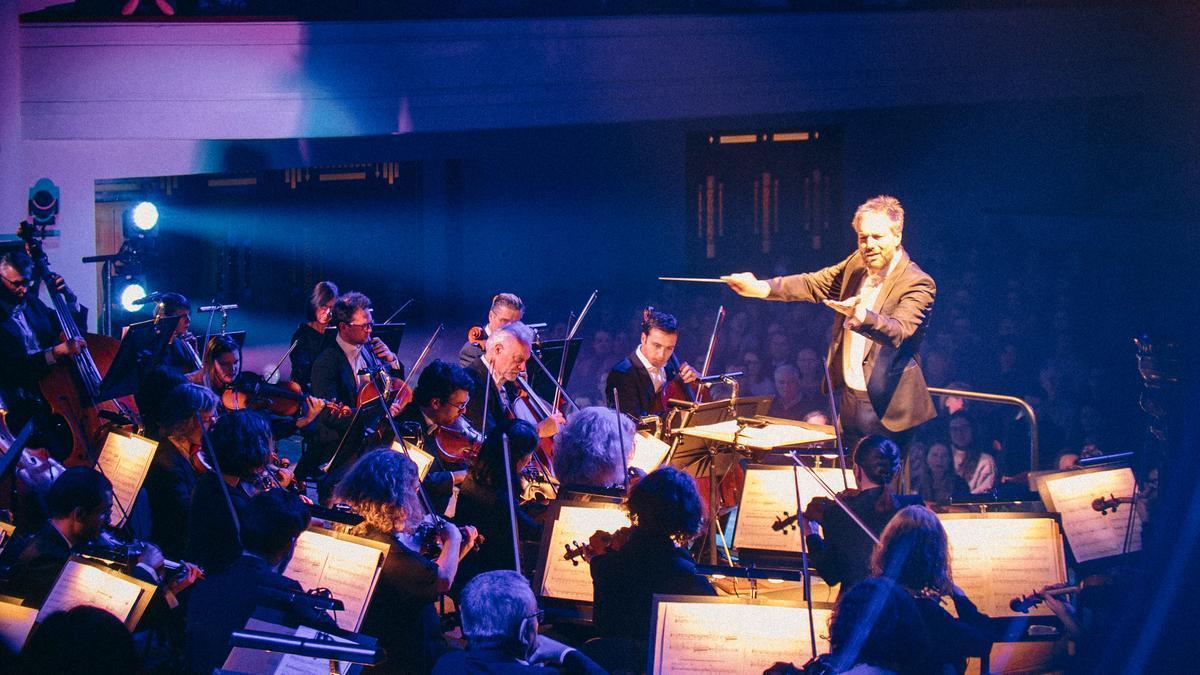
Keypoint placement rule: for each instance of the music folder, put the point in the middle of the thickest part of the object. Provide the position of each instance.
(702, 634)
(347, 565)
(769, 492)
(1093, 535)
(568, 523)
(82, 583)
(142, 343)
(125, 460)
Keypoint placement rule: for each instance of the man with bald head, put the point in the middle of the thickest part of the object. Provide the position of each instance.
(495, 373)
(883, 301)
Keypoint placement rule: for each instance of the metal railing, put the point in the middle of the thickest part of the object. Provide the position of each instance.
(1003, 400)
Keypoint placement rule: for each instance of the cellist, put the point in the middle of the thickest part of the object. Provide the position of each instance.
(30, 341)
(648, 378)
(496, 395)
(506, 308)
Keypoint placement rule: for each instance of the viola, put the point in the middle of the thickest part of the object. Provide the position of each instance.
(286, 399)
(460, 443)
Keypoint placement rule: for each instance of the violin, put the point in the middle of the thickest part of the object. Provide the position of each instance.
(600, 543)
(108, 547)
(428, 533)
(477, 337)
(1104, 505)
(459, 443)
(1024, 603)
(286, 399)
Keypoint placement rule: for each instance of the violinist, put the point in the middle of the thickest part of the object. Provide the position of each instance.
(483, 500)
(588, 458)
(178, 464)
(181, 352)
(30, 340)
(441, 396)
(382, 487)
(339, 373)
(506, 352)
(651, 376)
(652, 557)
(222, 364)
(309, 337)
(843, 555)
(241, 441)
(506, 308)
(79, 503)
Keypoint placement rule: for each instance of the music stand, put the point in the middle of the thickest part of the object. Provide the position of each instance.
(687, 450)
(143, 343)
(392, 334)
(550, 352)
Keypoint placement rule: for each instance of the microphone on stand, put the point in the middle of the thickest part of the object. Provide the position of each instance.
(217, 308)
(150, 297)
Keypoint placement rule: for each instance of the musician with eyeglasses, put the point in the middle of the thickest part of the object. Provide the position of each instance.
(340, 373)
(436, 412)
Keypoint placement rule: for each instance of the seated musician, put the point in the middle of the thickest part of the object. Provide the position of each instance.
(153, 387)
(483, 500)
(506, 308)
(496, 394)
(173, 474)
(79, 503)
(644, 380)
(382, 488)
(914, 552)
(84, 639)
(588, 453)
(442, 393)
(271, 523)
(181, 352)
(339, 373)
(500, 619)
(241, 440)
(30, 341)
(309, 337)
(630, 566)
(843, 555)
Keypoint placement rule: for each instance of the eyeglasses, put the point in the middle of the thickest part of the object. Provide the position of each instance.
(20, 283)
(540, 615)
(462, 407)
(367, 326)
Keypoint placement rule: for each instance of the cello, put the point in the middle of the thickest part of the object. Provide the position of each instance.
(72, 387)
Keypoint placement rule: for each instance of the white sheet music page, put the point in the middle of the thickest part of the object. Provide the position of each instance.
(648, 452)
(767, 494)
(81, 584)
(692, 637)
(15, 623)
(346, 568)
(575, 525)
(1091, 534)
(997, 559)
(422, 459)
(124, 460)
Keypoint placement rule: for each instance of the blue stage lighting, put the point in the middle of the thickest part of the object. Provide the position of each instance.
(129, 294)
(145, 216)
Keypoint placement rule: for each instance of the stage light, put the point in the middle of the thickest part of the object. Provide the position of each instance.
(145, 216)
(129, 294)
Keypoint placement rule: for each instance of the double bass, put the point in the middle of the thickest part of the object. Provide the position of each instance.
(72, 387)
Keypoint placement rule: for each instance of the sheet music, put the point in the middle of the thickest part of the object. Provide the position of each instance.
(15, 623)
(124, 460)
(762, 438)
(576, 524)
(766, 494)
(648, 452)
(997, 559)
(422, 459)
(348, 569)
(1091, 534)
(732, 638)
(81, 584)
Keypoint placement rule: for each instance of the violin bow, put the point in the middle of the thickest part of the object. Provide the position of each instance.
(572, 330)
(712, 341)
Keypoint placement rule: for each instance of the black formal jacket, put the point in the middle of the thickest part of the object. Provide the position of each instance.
(170, 482)
(20, 372)
(334, 379)
(895, 327)
(402, 614)
(469, 354)
(485, 388)
(843, 556)
(633, 384)
(37, 567)
(222, 603)
(625, 582)
(439, 482)
(309, 345)
(212, 541)
(953, 640)
(499, 661)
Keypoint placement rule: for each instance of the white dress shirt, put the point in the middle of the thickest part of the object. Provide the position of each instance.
(657, 375)
(855, 349)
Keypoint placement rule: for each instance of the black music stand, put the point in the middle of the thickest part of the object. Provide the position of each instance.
(550, 352)
(144, 343)
(392, 334)
(687, 451)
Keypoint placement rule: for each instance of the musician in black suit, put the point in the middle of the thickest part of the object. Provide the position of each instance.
(30, 341)
(883, 300)
(171, 478)
(506, 308)
(310, 338)
(339, 374)
(843, 555)
(178, 355)
(642, 379)
(495, 394)
(442, 394)
(271, 523)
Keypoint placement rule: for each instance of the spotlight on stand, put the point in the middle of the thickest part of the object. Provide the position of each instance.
(130, 294)
(144, 216)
